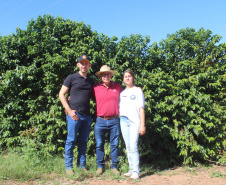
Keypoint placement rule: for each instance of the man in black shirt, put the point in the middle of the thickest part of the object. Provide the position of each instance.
(78, 109)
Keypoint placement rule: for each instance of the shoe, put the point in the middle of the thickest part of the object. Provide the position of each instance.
(134, 176)
(99, 171)
(70, 172)
(128, 174)
(115, 171)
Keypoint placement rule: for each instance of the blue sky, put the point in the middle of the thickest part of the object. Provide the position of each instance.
(155, 18)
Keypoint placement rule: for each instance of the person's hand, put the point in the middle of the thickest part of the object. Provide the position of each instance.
(142, 130)
(73, 115)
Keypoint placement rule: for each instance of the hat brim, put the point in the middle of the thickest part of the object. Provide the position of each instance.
(99, 72)
(83, 60)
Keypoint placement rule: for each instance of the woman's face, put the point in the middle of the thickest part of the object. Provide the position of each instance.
(128, 79)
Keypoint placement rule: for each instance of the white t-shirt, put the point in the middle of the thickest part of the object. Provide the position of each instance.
(131, 100)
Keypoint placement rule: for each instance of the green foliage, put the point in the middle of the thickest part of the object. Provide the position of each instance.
(187, 96)
(34, 63)
(183, 79)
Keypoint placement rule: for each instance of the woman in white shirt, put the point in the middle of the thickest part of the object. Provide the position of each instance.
(132, 121)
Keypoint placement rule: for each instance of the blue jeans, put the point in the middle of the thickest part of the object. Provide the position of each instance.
(82, 126)
(101, 127)
(130, 133)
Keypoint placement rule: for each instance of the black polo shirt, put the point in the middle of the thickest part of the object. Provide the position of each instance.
(80, 91)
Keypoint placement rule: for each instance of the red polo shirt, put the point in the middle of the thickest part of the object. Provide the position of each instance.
(107, 99)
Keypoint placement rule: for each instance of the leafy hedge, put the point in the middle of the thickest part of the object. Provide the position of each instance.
(183, 79)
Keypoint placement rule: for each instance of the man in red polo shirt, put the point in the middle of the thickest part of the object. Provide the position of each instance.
(107, 94)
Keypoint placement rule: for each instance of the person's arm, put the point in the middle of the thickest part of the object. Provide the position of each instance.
(68, 98)
(142, 130)
(62, 93)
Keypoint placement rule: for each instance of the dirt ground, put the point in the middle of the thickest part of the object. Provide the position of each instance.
(215, 175)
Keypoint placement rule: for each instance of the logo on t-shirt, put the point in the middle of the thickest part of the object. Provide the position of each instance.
(132, 97)
(114, 90)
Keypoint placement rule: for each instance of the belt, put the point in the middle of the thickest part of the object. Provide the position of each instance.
(107, 117)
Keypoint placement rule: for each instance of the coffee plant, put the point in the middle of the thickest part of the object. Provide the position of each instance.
(183, 79)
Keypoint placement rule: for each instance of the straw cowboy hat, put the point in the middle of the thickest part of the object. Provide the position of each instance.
(103, 69)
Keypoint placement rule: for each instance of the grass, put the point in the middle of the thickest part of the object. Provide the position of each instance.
(13, 166)
(25, 168)
(218, 174)
(41, 170)
(30, 167)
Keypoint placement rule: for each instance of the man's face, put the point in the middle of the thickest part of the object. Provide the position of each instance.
(105, 77)
(83, 66)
